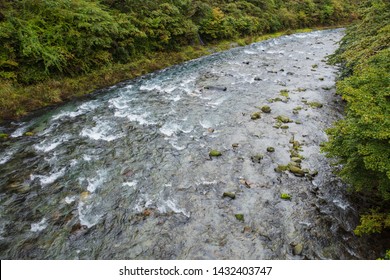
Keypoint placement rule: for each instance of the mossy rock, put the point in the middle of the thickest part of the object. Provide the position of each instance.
(266, 109)
(215, 153)
(285, 196)
(256, 115)
(301, 89)
(281, 168)
(284, 119)
(229, 194)
(3, 136)
(298, 249)
(296, 159)
(270, 149)
(257, 158)
(284, 127)
(284, 93)
(239, 217)
(29, 133)
(315, 104)
(296, 171)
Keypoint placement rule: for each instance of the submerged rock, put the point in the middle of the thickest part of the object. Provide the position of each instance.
(298, 249)
(239, 217)
(229, 194)
(255, 116)
(284, 119)
(285, 196)
(215, 153)
(257, 158)
(266, 109)
(296, 171)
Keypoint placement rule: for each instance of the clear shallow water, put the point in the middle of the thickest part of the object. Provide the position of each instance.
(127, 174)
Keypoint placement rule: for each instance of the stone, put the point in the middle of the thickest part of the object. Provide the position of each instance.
(3, 136)
(283, 119)
(239, 217)
(257, 158)
(235, 145)
(270, 149)
(281, 168)
(315, 104)
(266, 109)
(255, 116)
(229, 194)
(296, 171)
(285, 196)
(298, 249)
(296, 159)
(215, 153)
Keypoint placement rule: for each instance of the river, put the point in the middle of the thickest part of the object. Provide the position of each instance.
(127, 174)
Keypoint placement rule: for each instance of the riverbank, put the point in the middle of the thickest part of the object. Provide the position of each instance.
(17, 102)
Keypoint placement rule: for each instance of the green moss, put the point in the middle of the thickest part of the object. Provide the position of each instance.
(301, 89)
(266, 109)
(314, 66)
(215, 153)
(3, 136)
(284, 127)
(284, 119)
(281, 168)
(29, 133)
(297, 109)
(315, 104)
(239, 217)
(256, 115)
(257, 158)
(270, 149)
(285, 196)
(284, 93)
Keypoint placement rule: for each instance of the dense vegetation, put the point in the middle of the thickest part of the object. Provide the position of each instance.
(52, 50)
(361, 140)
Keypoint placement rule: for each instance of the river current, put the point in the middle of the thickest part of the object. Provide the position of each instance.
(127, 174)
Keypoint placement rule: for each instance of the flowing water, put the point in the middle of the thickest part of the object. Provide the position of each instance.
(127, 174)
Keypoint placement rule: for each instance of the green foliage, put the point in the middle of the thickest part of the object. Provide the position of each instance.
(47, 40)
(373, 223)
(361, 141)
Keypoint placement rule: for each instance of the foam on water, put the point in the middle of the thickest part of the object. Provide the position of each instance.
(20, 131)
(36, 227)
(4, 158)
(87, 215)
(50, 179)
(96, 182)
(103, 130)
(48, 145)
(82, 109)
(169, 129)
(70, 199)
(170, 206)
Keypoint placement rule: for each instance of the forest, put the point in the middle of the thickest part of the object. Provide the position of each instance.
(54, 50)
(361, 140)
